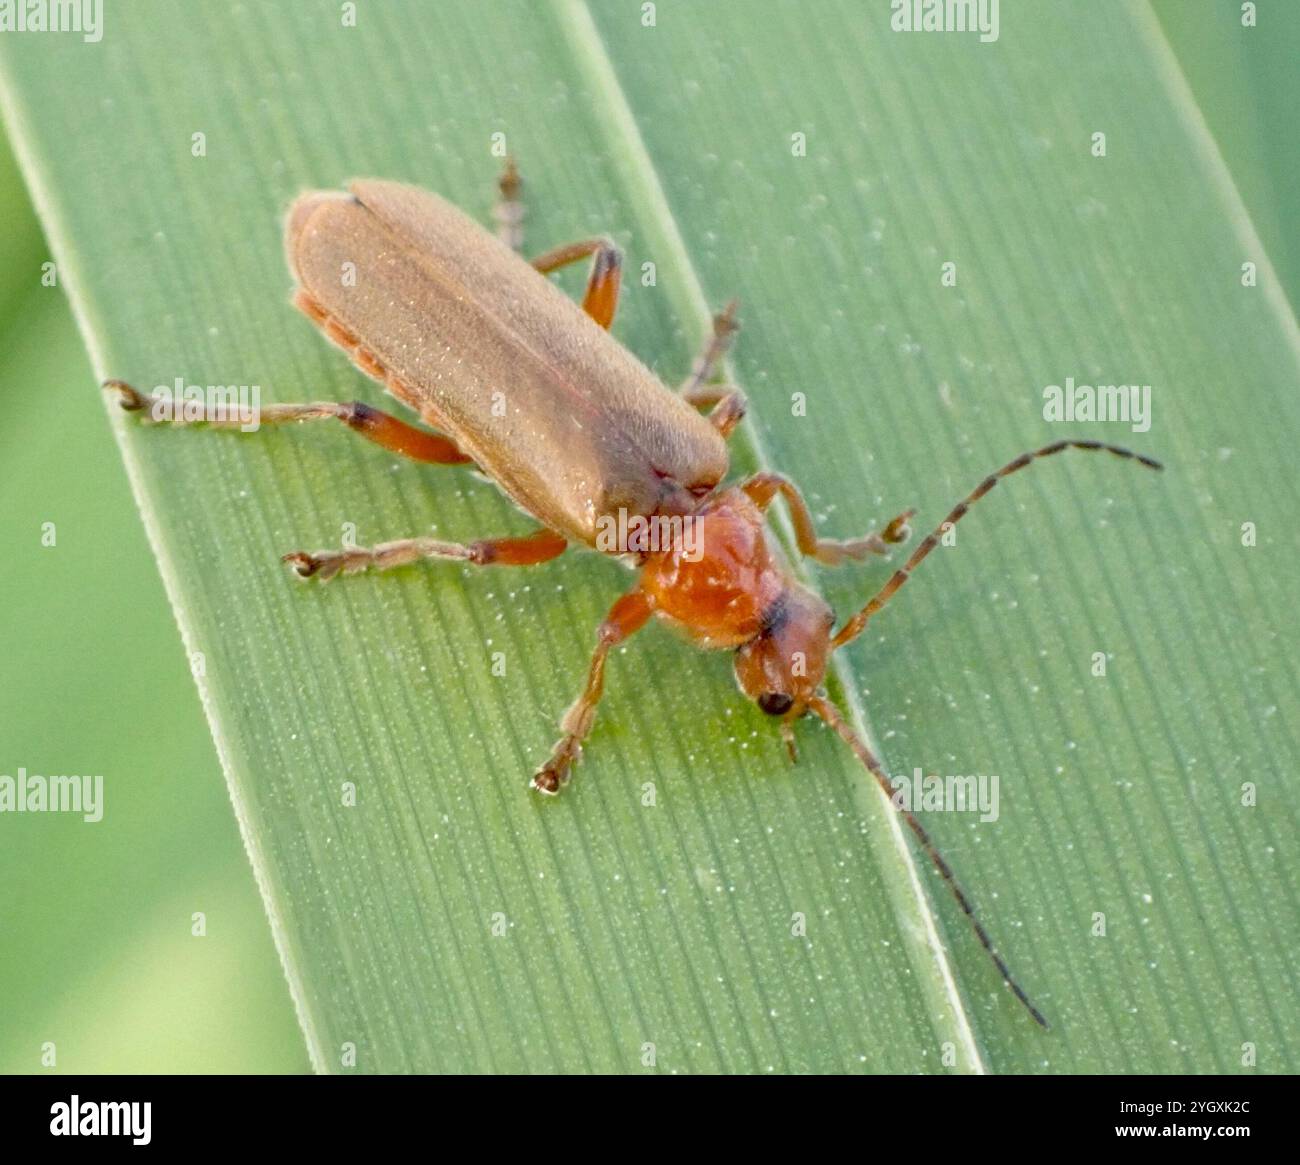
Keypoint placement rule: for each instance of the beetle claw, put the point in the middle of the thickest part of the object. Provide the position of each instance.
(787, 734)
(899, 530)
(129, 398)
(550, 779)
(509, 182)
(555, 773)
(303, 564)
(724, 322)
(546, 782)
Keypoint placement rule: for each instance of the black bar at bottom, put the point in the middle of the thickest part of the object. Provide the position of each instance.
(336, 1114)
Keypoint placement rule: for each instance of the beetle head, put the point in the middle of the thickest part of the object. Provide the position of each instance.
(782, 667)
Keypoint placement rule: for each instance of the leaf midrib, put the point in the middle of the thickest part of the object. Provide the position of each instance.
(919, 927)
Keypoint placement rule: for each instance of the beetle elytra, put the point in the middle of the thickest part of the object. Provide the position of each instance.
(449, 319)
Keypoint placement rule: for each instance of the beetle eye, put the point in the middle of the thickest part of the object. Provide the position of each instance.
(775, 703)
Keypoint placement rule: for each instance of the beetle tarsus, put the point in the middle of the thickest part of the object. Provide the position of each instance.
(833, 553)
(304, 565)
(555, 773)
(899, 530)
(130, 399)
(787, 734)
(708, 362)
(509, 183)
(725, 324)
(509, 210)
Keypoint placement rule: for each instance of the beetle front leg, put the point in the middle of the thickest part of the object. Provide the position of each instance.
(529, 550)
(763, 487)
(373, 424)
(626, 617)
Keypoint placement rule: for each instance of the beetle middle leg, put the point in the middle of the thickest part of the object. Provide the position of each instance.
(529, 550)
(601, 298)
(373, 424)
(763, 487)
(727, 402)
(626, 617)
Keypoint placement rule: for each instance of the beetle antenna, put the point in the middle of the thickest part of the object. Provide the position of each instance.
(831, 714)
(855, 626)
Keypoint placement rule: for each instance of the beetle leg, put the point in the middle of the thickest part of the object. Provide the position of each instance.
(509, 210)
(529, 550)
(374, 424)
(729, 405)
(601, 298)
(725, 325)
(726, 400)
(763, 487)
(625, 617)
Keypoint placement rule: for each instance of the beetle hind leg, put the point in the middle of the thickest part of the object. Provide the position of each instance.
(528, 550)
(373, 424)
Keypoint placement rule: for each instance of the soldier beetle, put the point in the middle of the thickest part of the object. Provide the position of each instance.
(531, 388)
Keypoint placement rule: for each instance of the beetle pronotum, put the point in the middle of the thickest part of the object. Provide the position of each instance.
(444, 315)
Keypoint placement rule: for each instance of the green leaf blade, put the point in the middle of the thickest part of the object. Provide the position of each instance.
(627, 925)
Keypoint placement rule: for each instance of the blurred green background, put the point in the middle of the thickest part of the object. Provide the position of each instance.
(95, 921)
